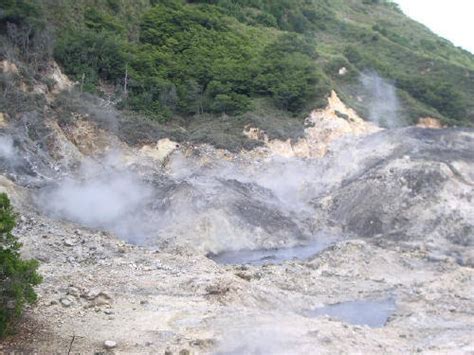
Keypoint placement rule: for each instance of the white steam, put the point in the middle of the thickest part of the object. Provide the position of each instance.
(101, 196)
(214, 208)
(382, 101)
(7, 150)
(212, 205)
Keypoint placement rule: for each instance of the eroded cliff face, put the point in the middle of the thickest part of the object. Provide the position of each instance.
(430, 122)
(322, 128)
(132, 239)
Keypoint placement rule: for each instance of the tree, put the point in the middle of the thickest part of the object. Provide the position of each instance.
(17, 276)
(289, 73)
(92, 55)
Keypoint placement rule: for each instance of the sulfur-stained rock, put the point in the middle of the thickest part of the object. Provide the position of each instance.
(323, 127)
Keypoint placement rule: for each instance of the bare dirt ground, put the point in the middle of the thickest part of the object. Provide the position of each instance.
(97, 288)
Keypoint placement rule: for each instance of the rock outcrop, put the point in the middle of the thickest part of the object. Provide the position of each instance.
(322, 128)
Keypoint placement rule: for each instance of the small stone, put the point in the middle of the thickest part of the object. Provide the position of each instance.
(342, 71)
(53, 302)
(184, 352)
(326, 340)
(43, 258)
(244, 276)
(110, 344)
(66, 302)
(91, 294)
(105, 295)
(69, 243)
(73, 291)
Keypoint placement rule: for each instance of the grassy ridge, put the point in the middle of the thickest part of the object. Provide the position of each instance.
(170, 58)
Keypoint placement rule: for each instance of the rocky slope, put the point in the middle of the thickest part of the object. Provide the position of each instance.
(97, 289)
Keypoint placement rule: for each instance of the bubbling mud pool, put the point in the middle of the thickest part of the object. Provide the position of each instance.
(371, 313)
(270, 256)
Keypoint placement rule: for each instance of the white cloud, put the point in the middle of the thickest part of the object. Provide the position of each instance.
(451, 19)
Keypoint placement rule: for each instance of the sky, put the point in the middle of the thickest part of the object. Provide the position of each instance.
(451, 19)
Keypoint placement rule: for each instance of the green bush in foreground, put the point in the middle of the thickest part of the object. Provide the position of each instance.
(17, 276)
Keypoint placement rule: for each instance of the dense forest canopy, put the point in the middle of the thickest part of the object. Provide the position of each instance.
(170, 58)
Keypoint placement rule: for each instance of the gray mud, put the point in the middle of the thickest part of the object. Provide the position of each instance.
(372, 313)
(270, 256)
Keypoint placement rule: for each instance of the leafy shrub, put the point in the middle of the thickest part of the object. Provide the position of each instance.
(98, 21)
(353, 55)
(335, 64)
(92, 55)
(230, 103)
(20, 13)
(289, 15)
(189, 61)
(442, 96)
(17, 276)
(289, 74)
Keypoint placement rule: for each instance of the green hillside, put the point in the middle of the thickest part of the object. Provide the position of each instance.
(173, 60)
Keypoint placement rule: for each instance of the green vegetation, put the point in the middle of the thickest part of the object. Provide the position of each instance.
(171, 59)
(17, 276)
(20, 12)
(190, 60)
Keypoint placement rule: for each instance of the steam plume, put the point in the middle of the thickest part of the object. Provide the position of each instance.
(382, 101)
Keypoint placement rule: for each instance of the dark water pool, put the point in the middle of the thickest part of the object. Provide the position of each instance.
(372, 313)
(269, 256)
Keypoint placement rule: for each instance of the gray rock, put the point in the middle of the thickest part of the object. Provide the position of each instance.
(66, 301)
(73, 291)
(69, 243)
(43, 258)
(110, 344)
(91, 294)
(105, 295)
